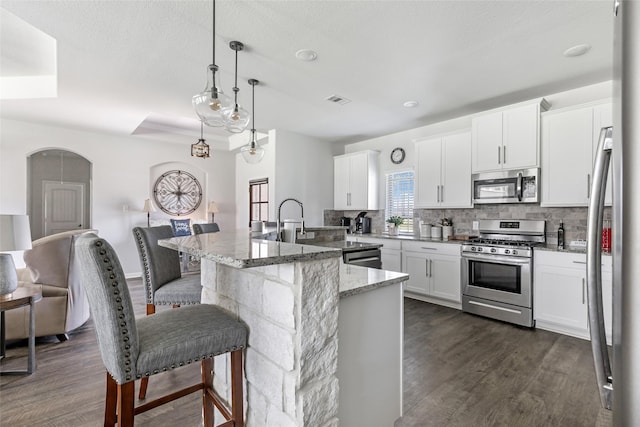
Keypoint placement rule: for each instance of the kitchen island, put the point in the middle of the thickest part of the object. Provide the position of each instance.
(325, 339)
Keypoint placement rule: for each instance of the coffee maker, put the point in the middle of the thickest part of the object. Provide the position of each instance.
(363, 223)
(345, 221)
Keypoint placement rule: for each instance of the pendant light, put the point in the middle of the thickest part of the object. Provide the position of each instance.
(252, 152)
(236, 117)
(211, 103)
(200, 148)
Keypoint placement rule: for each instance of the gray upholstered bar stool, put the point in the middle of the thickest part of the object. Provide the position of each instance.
(133, 349)
(163, 282)
(211, 227)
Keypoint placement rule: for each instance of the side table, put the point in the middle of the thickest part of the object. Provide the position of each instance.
(21, 297)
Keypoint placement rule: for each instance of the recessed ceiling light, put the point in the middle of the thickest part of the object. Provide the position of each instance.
(410, 104)
(307, 55)
(577, 50)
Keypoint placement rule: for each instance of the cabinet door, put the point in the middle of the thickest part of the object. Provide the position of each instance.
(602, 117)
(487, 142)
(415, 264)
(561, 297)
(359, 181)
(456, 171)
(444, 274)
(341, 183)
(520, 138)
(391, 260)
(428, 172)
(566, 158)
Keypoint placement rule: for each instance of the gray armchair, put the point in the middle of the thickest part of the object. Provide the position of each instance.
(137, 348)
(205, 228)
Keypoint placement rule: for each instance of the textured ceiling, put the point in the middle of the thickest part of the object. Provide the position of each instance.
(120, 62)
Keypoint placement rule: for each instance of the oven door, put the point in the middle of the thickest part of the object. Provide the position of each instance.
(497, 278)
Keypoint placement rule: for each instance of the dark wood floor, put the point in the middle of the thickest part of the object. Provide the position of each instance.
(459, 370)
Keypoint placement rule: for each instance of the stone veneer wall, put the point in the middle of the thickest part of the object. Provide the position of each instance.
(292, 357)
(575, 219)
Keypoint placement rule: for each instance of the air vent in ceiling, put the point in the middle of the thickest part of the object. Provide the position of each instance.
(337, 99)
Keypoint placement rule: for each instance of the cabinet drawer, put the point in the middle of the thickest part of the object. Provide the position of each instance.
(568, 260)
(432, 247)
(387, 243)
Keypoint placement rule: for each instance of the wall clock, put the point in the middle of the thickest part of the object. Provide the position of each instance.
(177, 192)
(397, 155)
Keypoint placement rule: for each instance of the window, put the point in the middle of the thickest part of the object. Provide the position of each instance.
(259, 200)
(400, 198)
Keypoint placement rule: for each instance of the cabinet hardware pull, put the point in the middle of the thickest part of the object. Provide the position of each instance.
(442, 193)
(504, 154)
(498, 154)
(430, 268)
(429, 249)
(579, 262)
(583, 286)
(426, 267)
(588, 185)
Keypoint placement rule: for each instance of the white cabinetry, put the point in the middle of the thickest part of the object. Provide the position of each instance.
(390, 252)
(507, 139)
(443, 172)
(569, 141)
(434, 271)
(560, 293)
(355, 181)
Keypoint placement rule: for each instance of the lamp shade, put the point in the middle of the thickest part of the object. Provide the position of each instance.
(213, 207)
(15, 233)
(148, 206)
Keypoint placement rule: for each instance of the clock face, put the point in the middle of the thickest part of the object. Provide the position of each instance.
(397, 155)
(177, 192)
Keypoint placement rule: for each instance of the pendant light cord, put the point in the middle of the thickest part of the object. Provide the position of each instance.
(214, 34)
(235, 88)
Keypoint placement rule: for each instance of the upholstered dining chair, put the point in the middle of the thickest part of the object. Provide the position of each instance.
(137, 348)
(163, 282)
(211, 227)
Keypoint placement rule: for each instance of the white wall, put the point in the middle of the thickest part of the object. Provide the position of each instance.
(297, 166)
(121, 176)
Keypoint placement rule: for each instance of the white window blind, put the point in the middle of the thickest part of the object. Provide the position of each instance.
(400, 198)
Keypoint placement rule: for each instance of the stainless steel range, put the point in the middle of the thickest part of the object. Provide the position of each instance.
(497, 270)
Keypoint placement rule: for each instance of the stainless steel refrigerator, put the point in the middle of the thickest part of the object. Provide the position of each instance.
(619, 382)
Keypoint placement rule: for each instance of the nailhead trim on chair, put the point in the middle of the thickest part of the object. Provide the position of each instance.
(189, 361)
(147, 276)
(115, 284)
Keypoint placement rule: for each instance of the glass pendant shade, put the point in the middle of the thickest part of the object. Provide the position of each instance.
(211, 103)
(252, 152)
(236, 119)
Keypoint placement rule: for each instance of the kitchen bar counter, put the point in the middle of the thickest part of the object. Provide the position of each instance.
(302, 304)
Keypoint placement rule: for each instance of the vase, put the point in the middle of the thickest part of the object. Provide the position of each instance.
(393, 229)
(447, 231)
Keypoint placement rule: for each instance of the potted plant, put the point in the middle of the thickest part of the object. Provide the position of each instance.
(394, 223)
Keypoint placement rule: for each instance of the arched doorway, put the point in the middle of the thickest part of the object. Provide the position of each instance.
(59, 192)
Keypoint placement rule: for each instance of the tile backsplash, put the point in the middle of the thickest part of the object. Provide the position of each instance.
(575, 219)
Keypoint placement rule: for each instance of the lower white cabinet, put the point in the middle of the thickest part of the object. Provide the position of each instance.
(560, 293)
(434, 270)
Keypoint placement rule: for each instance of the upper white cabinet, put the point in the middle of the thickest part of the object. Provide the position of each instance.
(443, 172)
(569, 142)
(507, 139)
(355, 181)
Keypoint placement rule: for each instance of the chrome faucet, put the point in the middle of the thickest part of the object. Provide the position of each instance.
(278, 231)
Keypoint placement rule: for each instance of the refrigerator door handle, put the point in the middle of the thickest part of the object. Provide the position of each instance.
(594, 267)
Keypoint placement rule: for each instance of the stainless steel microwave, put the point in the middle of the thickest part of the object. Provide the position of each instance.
(513, 186)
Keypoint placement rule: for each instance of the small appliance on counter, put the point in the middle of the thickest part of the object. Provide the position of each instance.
(363, 223)
(345, 221)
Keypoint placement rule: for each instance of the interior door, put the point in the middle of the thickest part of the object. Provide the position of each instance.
(63, 206)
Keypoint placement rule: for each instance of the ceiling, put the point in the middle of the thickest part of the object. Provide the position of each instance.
(124, 66)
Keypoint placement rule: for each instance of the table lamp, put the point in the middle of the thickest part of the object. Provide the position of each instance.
(213, 208)
(15, 235)
(148, 208)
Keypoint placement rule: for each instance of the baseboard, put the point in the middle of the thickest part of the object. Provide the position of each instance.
(450, 304)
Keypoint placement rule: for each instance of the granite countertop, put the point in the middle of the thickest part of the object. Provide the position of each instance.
(406, 237)
(355, 279)
(567, 249)
(239, 250)
(348, 246)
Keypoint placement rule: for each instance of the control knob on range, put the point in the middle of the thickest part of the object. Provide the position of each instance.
(493, 250)
(507, 251)
(479, 249)
(515, 252)
(473, 248)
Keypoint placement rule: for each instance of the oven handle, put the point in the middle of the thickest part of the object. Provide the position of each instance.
(497, 259)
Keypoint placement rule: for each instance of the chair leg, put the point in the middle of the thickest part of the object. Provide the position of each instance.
(151, 309)
(207, 403)
(237, 412)
(110, 402)
(126, 394)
